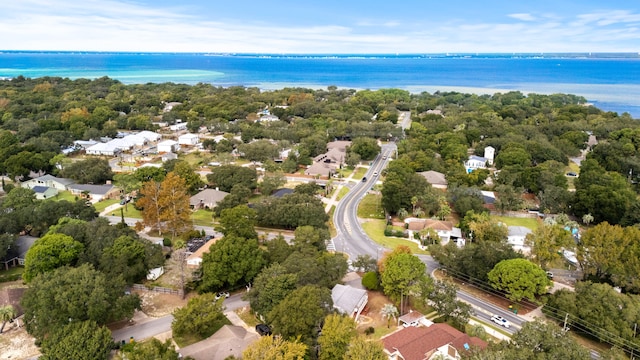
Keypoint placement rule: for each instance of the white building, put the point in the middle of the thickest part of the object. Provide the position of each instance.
(178, 126)
(475, 162)
(189, 139)
(489, 154)
(108, 149)
(168, 146)
(149, 135)
(516, 238)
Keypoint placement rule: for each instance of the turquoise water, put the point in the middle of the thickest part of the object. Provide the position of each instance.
(610, 83)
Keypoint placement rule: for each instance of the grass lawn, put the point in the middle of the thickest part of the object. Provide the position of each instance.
(101, 205)
(343, 191)
(375, 230)
(531, 223)
(13, 274)
(64, 195)
(129, 211)
(332, 226)
(202, 217)
(345, 172)
(359, 173)
(370, 207)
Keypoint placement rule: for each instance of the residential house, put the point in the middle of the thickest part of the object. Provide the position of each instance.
(326, 164)
(349, 300)
(516, 238)
(180, 126)
(268, 118)
(105, 149)
(189, 139)
(16, 254)
(438, 341)
(195, 259)
(475, 162)
(44, 192)
(150, 135)
(436, 179)
(48, 181)
(445, 229)
(169, 156)
(207, 199)
(95, 193)
(228, 342)
(168, 146)
(169, 106)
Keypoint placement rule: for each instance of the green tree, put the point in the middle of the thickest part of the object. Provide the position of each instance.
(310, 236)
(239, 221)
(126, 182)
(78, 340)
(89, 171)
(366, 147)
(131, 258)
(153, 349)
(337, 333)
(272, 182)
(259, 150)
(365, 263)
(7, 313)
(519, 278)
(401, 273)
(226, 176)
(444, 300)
(191, 178)
(371, 281)
(66, 295)
(50, 252)
(546, 242)
(278, 250)
(301, 313)
(361, 348)
(200, 318)
(270, 287)
(275, 348)
(231, 261)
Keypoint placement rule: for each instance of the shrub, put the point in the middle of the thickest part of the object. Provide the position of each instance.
(166, 242)
(371, 281)
(370, 330)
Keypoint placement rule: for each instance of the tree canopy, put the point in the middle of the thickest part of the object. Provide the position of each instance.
(519, 278)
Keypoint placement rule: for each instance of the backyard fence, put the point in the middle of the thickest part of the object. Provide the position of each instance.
(157, 289)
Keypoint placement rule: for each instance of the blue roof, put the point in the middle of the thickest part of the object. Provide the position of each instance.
(40, 189)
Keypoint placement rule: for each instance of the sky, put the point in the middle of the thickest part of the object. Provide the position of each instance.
(322, 27)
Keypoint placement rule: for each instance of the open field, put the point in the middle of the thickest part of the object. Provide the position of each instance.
(531, 223)
(370, 207)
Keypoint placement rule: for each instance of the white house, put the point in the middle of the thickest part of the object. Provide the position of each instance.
(149, 135)
(44, 192)
(48, 181)
(135, 139)
(189, 139)
(178, 126)
(516, 238)
(475, 162)
(103, 149)
(168, 146)
(489, 154)
(349, 300)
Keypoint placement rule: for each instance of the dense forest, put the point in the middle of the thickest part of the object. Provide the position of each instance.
(534, 137)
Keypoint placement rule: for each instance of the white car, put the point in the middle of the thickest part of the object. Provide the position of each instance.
(375, 173)
(223, 294)
(500, 321)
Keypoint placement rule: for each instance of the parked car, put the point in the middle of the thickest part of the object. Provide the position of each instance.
(572, 174)
(263, 329)
(500, 321)
(364, 179)
(550, 275)
(223, 294)
(413, 323)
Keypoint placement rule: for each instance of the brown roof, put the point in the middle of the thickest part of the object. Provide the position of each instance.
(414, 342)
(438, 225)
(208, 197)
(12, 296)
(203, 249)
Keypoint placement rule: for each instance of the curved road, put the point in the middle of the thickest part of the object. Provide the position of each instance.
(353, 241)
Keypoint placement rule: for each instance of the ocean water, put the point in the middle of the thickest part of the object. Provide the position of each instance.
(611, 83)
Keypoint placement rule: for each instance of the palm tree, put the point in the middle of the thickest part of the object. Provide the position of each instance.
(389, 311)
(7, 313)
(402, 214)
(587, 219)
(418, 212)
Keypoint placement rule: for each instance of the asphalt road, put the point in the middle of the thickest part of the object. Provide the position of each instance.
(150, 328)
(352, 240)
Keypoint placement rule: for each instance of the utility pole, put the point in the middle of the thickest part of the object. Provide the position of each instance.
(564, 326)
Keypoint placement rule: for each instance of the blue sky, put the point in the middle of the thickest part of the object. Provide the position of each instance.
(326, 26)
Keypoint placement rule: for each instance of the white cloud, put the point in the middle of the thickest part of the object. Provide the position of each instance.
(118, 25)
(523, 16)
